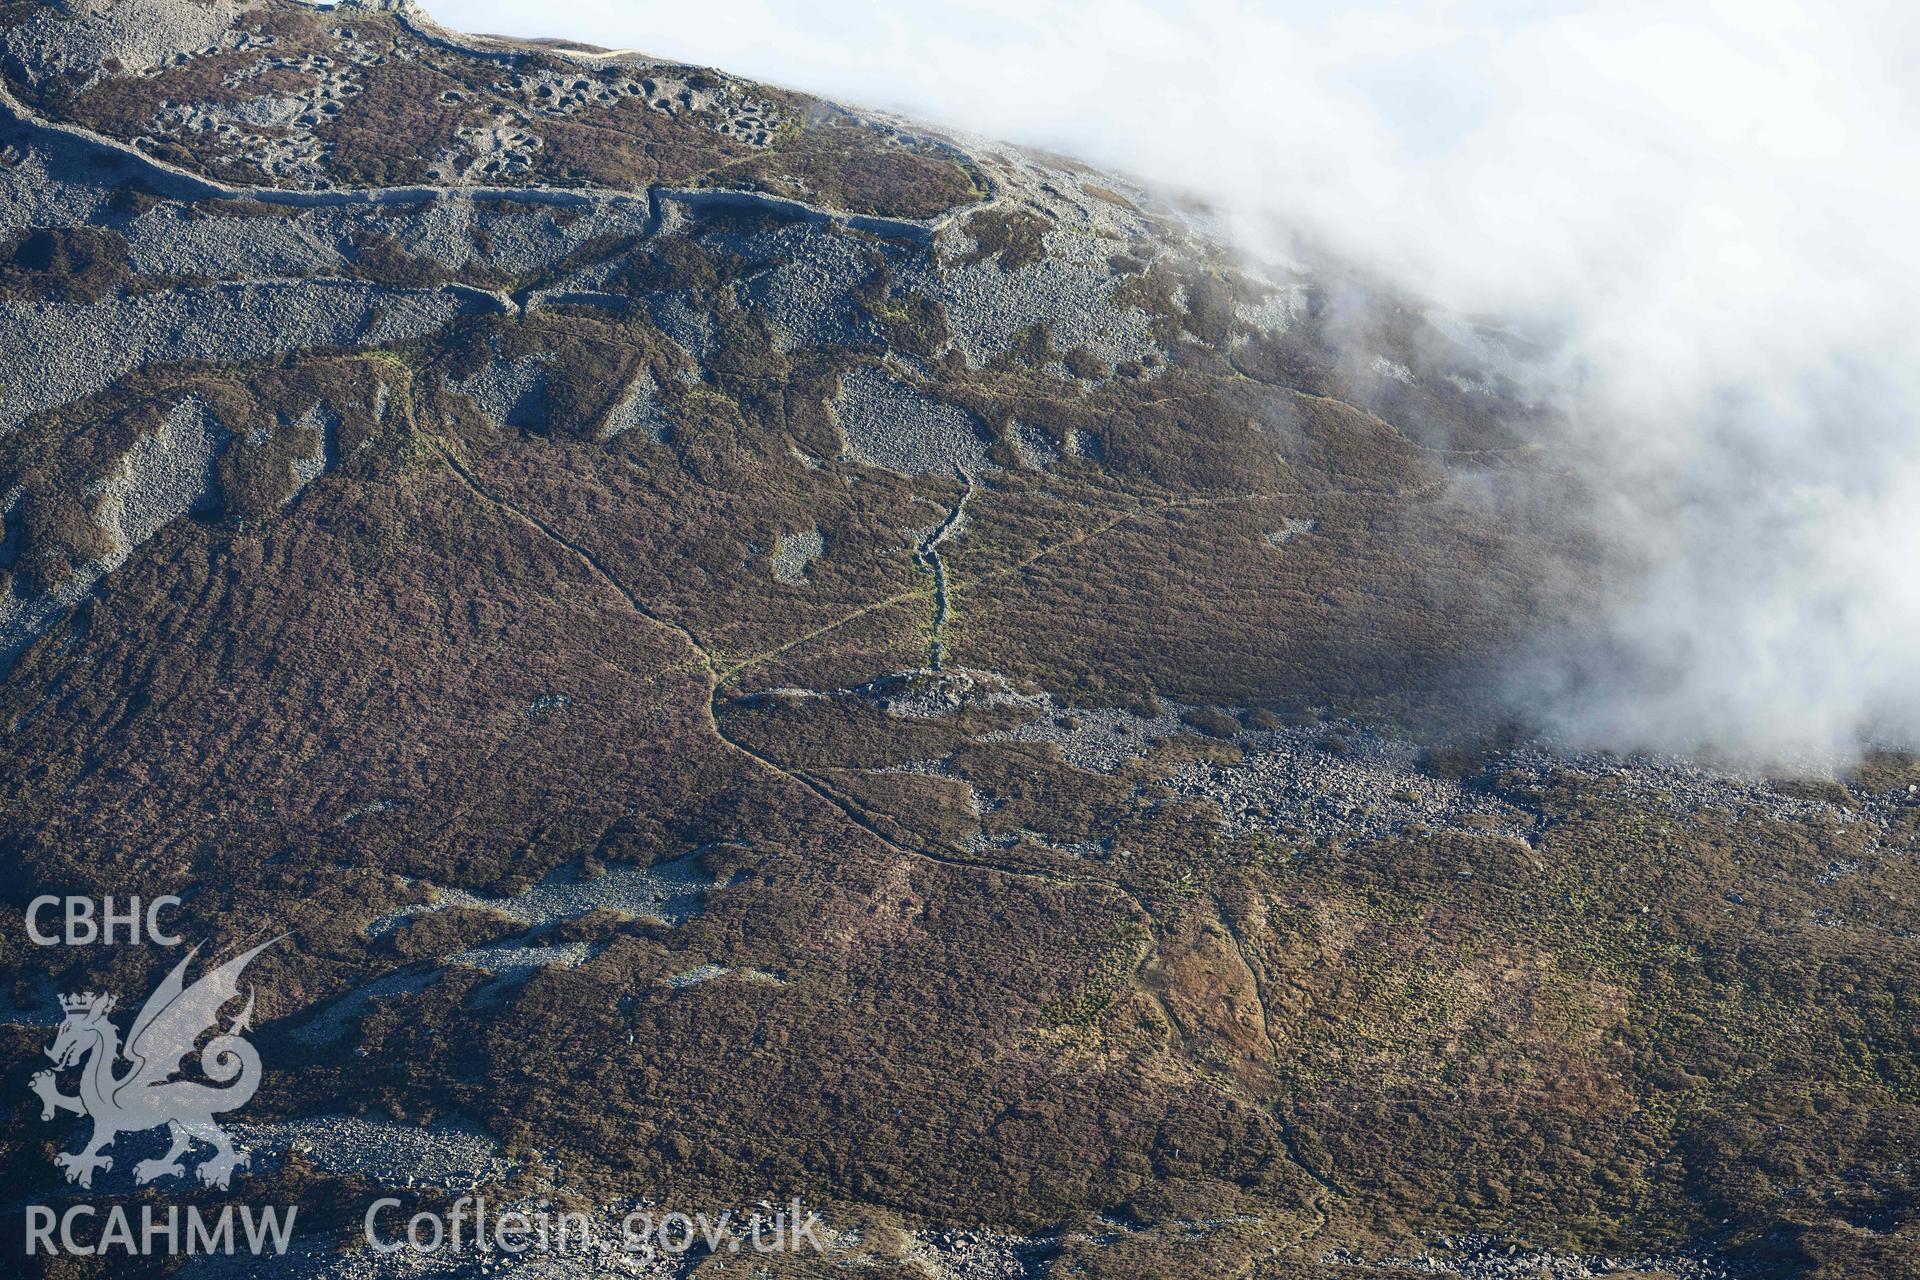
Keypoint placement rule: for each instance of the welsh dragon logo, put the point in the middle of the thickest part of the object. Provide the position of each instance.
(145, 1094)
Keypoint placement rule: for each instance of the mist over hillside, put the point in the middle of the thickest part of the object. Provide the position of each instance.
(710, 649)
(1699, 210)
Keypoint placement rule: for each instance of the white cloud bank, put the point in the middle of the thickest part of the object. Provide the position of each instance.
(1715, 203)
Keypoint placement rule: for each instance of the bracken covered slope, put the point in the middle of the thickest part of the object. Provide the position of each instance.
(761, 650)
